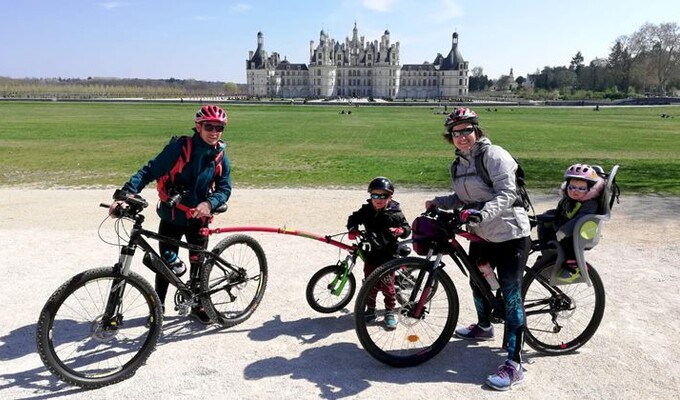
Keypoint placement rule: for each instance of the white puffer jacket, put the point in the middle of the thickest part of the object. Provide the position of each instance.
(500, 220)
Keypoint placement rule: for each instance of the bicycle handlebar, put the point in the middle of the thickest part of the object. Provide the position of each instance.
(450, 220)
(136, 203)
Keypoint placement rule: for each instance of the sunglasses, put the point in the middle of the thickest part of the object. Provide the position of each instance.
(581, 189)
(463, 132)
(211, 127)
(379, 196)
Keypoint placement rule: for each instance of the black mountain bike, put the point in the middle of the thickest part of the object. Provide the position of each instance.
(560, 317)
(101, 325)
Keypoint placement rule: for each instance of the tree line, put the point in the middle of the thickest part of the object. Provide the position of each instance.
(646, 62)
(93, 87)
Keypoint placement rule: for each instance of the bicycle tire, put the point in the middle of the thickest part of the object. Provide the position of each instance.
(561, 331)
(70, 337)
(221, 302)
(414, 341)
(319, 292)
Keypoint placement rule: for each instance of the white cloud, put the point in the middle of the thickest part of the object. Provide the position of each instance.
(447, 10)
(379, 5)
(240, 8)
(112, 4)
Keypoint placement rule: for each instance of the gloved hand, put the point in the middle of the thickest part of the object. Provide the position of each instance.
(115, 211)
(471, 215)
(560, 235)
(353, 234)
(398, 231)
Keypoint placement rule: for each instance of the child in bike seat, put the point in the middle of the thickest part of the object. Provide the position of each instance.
(581, 191)
(384, 223)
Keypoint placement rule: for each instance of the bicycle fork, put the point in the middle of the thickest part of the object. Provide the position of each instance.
(338, 283)
(113, 317)
(420, 309)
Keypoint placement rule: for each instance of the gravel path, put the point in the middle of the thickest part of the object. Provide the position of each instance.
(288, 351)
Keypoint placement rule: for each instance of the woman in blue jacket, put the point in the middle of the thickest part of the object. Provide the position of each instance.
(193, 178)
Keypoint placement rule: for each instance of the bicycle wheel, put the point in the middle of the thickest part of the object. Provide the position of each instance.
(323, 283)
(415, 340)
(230, 296)
(75, 343)
(560, 319)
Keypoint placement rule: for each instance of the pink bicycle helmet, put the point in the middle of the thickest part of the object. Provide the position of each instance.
(211, 113)
(461, 115)
(588, 174)
(582, 171)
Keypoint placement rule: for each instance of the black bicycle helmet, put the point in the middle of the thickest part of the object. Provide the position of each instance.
(381, 183)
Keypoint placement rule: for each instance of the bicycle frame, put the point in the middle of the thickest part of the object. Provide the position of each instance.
(455, 250)
(157, 265)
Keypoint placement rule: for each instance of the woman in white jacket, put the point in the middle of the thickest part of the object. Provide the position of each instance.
(494, 213)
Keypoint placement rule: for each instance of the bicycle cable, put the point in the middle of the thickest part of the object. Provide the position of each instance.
(116, 228)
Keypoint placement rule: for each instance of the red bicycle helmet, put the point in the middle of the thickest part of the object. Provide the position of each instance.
(211, 113)
(461, 115)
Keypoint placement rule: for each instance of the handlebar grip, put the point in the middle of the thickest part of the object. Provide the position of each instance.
(137, 201)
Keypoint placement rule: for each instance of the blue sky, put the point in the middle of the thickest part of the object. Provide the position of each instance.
(210, 39)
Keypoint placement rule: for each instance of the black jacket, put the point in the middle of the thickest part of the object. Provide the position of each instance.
(377, 223)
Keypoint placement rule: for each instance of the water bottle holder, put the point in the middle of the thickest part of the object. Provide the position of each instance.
(183, 271)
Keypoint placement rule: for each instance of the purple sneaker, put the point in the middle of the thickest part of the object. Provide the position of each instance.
(507, 375)
(475, 332)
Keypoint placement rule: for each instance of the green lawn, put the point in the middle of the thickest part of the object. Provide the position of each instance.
(47, 144)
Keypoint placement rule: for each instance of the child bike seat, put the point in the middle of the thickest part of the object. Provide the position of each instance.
(588, 229)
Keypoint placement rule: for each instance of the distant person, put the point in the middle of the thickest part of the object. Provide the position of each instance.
(384, 223)
(495, 213)
(195, 168)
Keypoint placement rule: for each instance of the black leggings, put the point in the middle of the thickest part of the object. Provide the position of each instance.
(508, 259)
(191, 232)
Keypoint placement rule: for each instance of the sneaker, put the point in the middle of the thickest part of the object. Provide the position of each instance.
(506, 376)
(390, 321)
(369, 315)
(569, 272)
(475, 332)
(199, 314)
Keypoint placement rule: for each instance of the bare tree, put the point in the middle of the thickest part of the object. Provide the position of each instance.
(657, 49)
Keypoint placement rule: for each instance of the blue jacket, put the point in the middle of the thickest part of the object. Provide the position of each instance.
(195, 178)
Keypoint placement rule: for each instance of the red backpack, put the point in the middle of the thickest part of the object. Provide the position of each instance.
(167, 181)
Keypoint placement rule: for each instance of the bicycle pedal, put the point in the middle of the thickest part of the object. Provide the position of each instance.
(183, 309)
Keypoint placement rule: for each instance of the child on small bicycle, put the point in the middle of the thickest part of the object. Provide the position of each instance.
(581, 190)
(384, 223)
